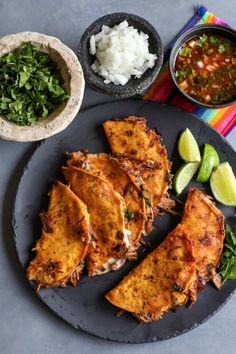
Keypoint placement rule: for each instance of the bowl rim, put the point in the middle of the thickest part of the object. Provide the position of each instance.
(174, 52)
(55, 122)
(96, 81)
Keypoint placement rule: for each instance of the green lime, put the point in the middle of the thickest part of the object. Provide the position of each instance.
(210, 160)
(223, 184)
(188, 147)
(184, 175)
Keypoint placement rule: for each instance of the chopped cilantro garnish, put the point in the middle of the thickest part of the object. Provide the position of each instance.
(213, 40)
(202, 39)
(185, 52)
(215, 97)
(174, 304)
(181, 73)
(128, 214)
(221, 49)
(30, 85)
(177, 287)
(148, 201)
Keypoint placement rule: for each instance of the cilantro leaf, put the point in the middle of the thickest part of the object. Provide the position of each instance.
(227, 268)
(213, 40)
(185, 52)
(177, 287)
(128, 214)
(148, 201)
(202, 39)
(221, 49)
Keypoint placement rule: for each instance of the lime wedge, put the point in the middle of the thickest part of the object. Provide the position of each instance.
(184, 175)
(188, 147)
(223, 184)
(210, 160)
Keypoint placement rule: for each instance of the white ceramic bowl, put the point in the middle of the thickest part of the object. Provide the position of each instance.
(72, 74)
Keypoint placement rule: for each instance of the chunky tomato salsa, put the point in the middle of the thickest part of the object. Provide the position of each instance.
(205, 68)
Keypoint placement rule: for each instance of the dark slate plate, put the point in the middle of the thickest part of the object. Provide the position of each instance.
(84, 306)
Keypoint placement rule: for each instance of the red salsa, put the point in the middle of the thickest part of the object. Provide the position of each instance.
(205, 68)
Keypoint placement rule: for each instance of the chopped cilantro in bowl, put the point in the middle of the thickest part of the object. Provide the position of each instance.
(30, 85)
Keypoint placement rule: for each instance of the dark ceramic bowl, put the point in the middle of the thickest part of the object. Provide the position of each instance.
(133, 86)
(185, 37)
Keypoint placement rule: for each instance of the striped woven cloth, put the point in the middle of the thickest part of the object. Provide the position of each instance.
(163, 89)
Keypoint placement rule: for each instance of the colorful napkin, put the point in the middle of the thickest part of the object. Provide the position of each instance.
(163, 89)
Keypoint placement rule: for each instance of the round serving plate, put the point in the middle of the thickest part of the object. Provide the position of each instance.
(84, 306)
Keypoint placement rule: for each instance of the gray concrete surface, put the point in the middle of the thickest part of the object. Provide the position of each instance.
(26, 325)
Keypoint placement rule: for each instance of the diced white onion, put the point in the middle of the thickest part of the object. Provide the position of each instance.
(192, 43)
(200, 64)
(126, 239)
(98, 37)
(121, 52)
(92, 45)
